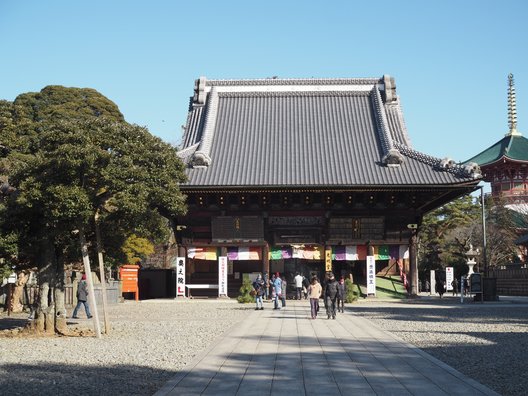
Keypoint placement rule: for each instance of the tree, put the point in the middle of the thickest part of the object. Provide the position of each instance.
(445, 233)
(502, 230)
(136, 249)
(74, 164)
(448, 232)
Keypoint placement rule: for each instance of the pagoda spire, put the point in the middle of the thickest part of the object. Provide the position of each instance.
(512, 108)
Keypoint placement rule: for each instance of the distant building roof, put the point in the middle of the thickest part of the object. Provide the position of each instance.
(512, 147)
(275, 133)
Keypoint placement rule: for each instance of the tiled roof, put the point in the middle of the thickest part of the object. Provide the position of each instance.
(306, 132)
(512, 146)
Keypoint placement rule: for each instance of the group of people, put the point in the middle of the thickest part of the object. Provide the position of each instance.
(440, 286)
(332, 290)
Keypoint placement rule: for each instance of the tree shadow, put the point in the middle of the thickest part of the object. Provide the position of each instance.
(8, 323)
(59, 379)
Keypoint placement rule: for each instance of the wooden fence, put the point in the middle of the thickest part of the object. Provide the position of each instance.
(112, 294)
(511, 282)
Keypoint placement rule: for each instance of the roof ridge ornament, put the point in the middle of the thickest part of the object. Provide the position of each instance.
(512, 108)
(201, 157)
(199, 91)
(392, 157)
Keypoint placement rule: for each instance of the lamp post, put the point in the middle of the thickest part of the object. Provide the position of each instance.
(471, 254)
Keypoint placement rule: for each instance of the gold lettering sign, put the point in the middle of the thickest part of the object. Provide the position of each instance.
(328, 260)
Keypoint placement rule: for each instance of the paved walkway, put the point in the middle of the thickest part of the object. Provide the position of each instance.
(284, 352)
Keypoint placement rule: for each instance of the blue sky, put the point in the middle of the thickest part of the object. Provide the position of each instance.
(450, 58)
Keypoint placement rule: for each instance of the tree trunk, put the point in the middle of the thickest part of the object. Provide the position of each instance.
(58, 294)
(50, 316)
(18, 292)
(101, 271)
(87, 270)
(44, 317)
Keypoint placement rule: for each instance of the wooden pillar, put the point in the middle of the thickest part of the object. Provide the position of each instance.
(413, 263)
(181, 251)
(265, 261)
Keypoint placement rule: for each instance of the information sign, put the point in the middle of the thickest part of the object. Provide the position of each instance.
(180, 276)
(371, 275)
(449, 278)
(222, 276)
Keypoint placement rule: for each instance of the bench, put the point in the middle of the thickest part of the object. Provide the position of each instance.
(199, 286)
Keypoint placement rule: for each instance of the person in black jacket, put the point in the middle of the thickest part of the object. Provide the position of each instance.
(341, 295)
(82, 298)
(331, 295)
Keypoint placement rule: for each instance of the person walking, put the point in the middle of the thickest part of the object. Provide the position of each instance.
(298, 285)
(331, 294)
(284, 291)
(454, 284)
(259, 286)
(440, 288)
(82, 298)
(266, 286)
(306, 285)
(341, 295)
(277, 290)
(314, 292)
(272, 288)
(323, 285)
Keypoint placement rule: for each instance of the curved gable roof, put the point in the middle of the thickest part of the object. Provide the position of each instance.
(306, 132)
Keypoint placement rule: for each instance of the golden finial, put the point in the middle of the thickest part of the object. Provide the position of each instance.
(512, 107)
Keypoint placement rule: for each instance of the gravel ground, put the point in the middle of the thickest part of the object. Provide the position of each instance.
(148, 343)
(485, 341)
(151, 340)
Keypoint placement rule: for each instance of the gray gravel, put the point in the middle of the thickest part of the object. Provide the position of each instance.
(148, 343)
(151, 340)
(485, 341)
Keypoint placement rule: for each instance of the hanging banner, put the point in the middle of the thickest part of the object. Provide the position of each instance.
(202, 253)
(449, 278)
(180, 276)
(371, 275)
(328, 260)
(222, 276)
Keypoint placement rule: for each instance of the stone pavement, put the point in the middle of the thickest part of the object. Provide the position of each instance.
(285, 352)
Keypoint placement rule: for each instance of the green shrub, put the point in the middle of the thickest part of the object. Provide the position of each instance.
(352, 292)
(245, 289)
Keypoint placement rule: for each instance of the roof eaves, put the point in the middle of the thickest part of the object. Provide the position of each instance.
(469, 170)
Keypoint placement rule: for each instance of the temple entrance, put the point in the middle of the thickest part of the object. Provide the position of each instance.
(288, 268)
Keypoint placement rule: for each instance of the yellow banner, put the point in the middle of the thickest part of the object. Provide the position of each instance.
(328, 260)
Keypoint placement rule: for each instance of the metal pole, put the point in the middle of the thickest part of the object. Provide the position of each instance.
(462, 290)
(484, 244)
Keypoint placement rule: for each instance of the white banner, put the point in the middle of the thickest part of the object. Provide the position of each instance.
(432, 281)
(180, 276)
(371, 275)
(222, 276)
(449, 278)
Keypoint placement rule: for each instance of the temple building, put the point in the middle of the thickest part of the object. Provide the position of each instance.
(505, 164)
(306, 175)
